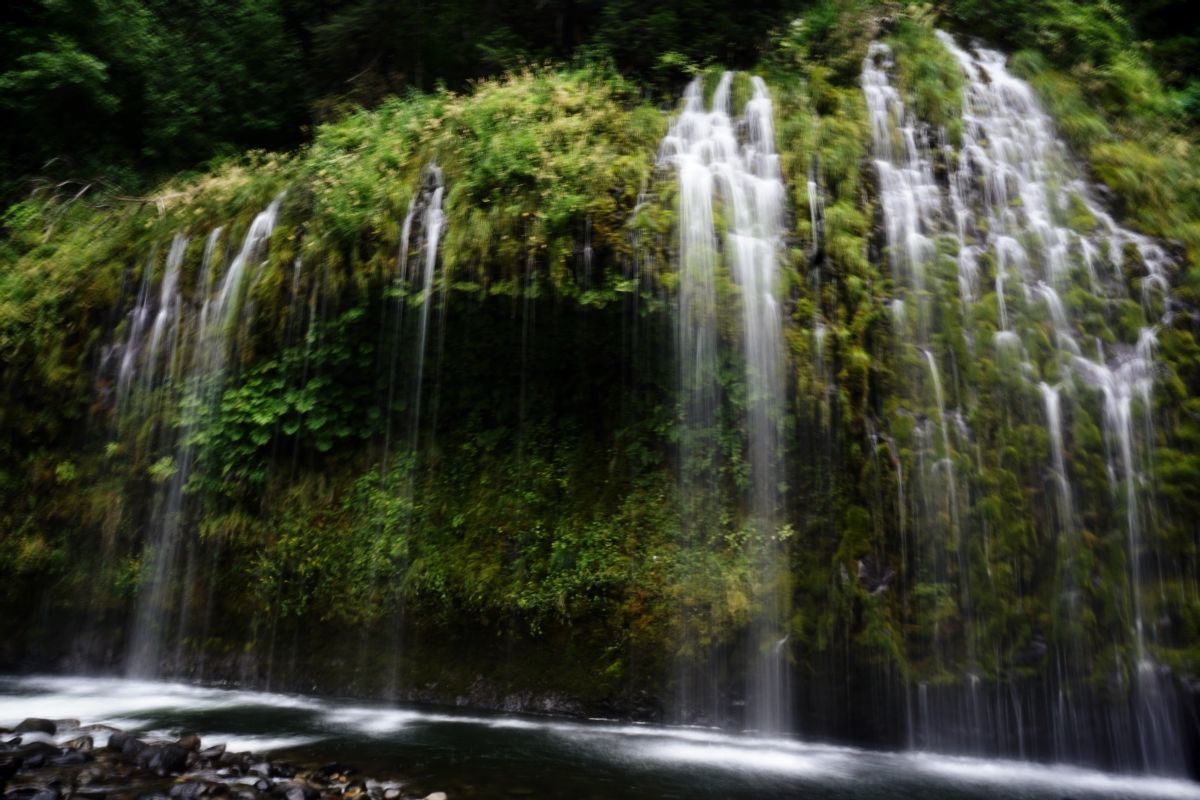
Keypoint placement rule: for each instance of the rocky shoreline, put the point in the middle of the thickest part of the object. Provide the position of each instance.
(42, 759)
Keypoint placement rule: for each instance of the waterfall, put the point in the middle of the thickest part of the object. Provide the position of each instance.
(432, 231)
(727, 165)
(215, 329)
(413, 274)
(1002, 203)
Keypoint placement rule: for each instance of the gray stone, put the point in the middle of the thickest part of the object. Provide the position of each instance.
(84, 743)
(213, 753)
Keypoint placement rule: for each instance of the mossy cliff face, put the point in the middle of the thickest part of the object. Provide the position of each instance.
(470, 488)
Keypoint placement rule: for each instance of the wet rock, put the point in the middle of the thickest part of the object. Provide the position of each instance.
(262, 768)
(96, 793)
(37, 754)
(51, 791)
(189, 741)
(263, 785)
(436, 796)
(132, 749)
(154, 796)
(168, 759)
(71, 758)
(872, 576)
(36, 725)
(118, 741)
(32, 792)
(66, 725)
(283, 771)
(336, 773)
(391, 793)
(355, 790)
(89, 776)
(212, 753)
(299, 791)
(190, 790)
(83, 743)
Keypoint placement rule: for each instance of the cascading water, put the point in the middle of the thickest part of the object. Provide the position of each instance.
(1001, 207)
(417, 275)
(217, 323)
(717, 172)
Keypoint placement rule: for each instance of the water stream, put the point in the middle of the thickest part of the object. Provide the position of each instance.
(473, 755)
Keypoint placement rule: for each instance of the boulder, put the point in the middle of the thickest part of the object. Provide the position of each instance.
(121, 741)
(171, 759)
(213, 753)
(189, 741)
(36, 725)
(83, 743)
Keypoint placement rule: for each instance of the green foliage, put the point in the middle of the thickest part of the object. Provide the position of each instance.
(928, 74)
(319, 393)
(537, 492)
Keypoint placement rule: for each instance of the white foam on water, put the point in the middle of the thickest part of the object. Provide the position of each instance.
(372, 721)
(121, 702)
(744, 759)
(1050, 777)
(241, 743)
(115, 700)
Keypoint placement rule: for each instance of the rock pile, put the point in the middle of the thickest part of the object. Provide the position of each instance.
(43, 759)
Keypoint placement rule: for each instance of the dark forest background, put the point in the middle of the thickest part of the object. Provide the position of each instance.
(131, 91)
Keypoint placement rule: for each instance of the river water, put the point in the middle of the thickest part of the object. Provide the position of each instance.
(478, 755)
